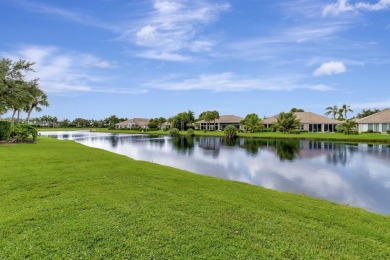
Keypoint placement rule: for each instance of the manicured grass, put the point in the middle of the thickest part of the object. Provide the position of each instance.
(43, 129)
(60, 199)
(374, 138)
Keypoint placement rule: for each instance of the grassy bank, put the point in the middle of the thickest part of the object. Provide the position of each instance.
(60, 199)
(371, 138)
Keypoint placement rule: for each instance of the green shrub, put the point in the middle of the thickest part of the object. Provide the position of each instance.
(135, 128)
(190, 132)
(370, 131)
(174, 132)
(5, 130)
(388, 131)
(165, 129)
(21, 133)
(230, 131)
(153, 129)
(295, 132)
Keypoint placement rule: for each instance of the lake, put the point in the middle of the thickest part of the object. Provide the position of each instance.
(353, 174)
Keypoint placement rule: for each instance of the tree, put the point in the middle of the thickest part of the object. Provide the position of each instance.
(111, 121)
(332, 110)
(38, 98)
(252, 123)
(230, 131)
(296, 110)
(367, 112)
(286, 122)
(214, 116)
(209, 116)
(346, 108)
(347, 127)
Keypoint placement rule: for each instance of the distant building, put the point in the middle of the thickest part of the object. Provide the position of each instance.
(135, 122)
(310, 122)
(221, 123)
(378, 122)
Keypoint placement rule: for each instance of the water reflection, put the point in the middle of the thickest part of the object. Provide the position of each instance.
(354, 174)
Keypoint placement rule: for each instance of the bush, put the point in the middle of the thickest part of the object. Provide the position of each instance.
(21, 133)
(388, 131)
(174, 132)
(370, 131)
(230, 131)
(153, 129)
(346, 132)
(5, 130)
(135, 128)
(165, 129)
(190, 132)
(295, 132)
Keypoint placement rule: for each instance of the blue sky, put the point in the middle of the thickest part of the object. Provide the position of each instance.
(155, 58)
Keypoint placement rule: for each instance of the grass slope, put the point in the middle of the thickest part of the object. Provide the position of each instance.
(60, 199)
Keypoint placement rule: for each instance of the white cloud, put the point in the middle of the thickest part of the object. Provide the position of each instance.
(343, 6)
(155, 55)
(67, 14)
(62, 71)
(228, 81)
(330, 68)
(174, 27)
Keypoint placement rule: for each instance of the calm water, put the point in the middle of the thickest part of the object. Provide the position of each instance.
(354, 174)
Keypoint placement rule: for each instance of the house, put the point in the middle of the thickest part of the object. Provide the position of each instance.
(378, 122)
(310, 122)
(221, 123)
(135, 122)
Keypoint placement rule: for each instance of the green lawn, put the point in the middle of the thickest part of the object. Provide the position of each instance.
(60, 199)
(375, 138)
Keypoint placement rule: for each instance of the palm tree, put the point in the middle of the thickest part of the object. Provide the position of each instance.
(332, 110)
(214, 116)
(287, 122)
(38, 98)
(346, 108)
(252, 123)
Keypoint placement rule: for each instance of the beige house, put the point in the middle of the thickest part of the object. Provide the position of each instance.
(379, 122)
(310, 122)
(221, 123)
(135, 122)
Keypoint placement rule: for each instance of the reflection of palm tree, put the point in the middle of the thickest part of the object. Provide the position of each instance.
(183, 143)
(287, 150)
(252, 145)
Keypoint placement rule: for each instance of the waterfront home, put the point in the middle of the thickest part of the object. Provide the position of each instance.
(221, 123)
(378, 122)
(310, 122)
(134, 122)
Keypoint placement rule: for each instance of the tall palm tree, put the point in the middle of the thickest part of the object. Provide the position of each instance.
(332, 110)
(346, 108)
(214, 116)
(38, 99)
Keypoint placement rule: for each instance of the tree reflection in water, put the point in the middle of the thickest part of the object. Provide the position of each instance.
(184, 144)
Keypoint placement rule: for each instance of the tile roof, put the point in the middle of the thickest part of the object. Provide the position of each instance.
(225, 119)
(380, 117)
(306, 118)
(137, 121)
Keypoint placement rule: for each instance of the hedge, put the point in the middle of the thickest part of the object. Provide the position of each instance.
(5, 130)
